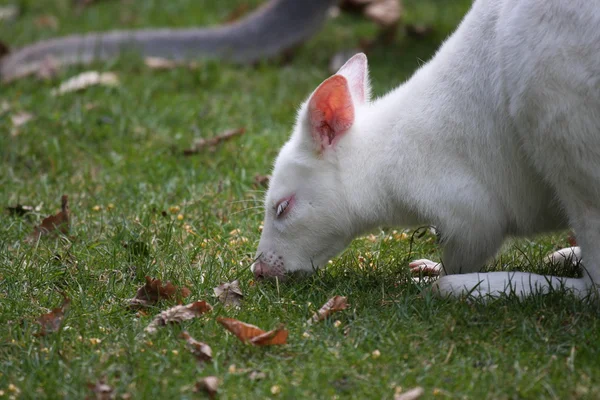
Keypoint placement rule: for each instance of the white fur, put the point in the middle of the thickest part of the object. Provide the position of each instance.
(498, 135)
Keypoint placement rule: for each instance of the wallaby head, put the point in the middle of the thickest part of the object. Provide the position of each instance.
(307, 211)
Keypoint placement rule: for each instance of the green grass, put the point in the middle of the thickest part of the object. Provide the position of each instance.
(120, 163)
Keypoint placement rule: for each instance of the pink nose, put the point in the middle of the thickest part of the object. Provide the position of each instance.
(260, 270)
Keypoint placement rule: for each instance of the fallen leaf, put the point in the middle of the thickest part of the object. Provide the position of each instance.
(154, 290)
(202, 351)
(53, 223)
(52, 321)
(418, 31)
(336, 303)
(21, 118)
(252, 334)
(262, 180)
(46, 21)
(209, 385)
(256, 375)
(212, 142)
(230, 294)
(86, 79)
(102, 390)
(177, 314)
(19, 210)
(385, 13)
(571, 239)
(9, 13)
(412, 394)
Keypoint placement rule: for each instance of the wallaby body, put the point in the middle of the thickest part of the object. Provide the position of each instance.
(498, 135)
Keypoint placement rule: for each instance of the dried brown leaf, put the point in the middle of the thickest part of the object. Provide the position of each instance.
(418, 31)
(230, 294)
(336, 303)
(52, 321)
(412, 394)
(385, 13)
(571, 239)
(262, 180)
(214, 141)
(177, 314)
(46, 21)
(248, 333)
(53, 223)
(209, 385)
(154, 291)
(200, 350)
(102, 391)
(86, 79)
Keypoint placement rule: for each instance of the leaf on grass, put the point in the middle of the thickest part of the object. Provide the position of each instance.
(177, 314)
(19, 210)
(86, 79)
(418, 31)
(230, 294)
(160, 63)
(46, 21)
(385, 13)
(572, 239)
(336, 303)
(21, 118)
(200, 350)
(214, 141)
(154, 290)
(412, 394)
(254, 335)
(52, 321)
(262, 180)
(9, 12)
(102, 390)
(209, 385)
(256, 375)
(53, 223)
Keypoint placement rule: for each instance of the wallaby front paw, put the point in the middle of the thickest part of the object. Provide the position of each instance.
(567, 256)
(425, 267)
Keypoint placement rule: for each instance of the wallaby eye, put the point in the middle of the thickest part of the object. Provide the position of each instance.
(282, 206)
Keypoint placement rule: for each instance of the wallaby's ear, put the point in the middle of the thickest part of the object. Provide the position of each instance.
(330, 112)
(356, 71)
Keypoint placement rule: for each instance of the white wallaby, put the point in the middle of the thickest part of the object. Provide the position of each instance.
(498, 135)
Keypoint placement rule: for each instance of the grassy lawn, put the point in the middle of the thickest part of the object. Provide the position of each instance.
(139, 207)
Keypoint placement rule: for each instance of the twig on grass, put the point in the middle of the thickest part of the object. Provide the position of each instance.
(201, 144)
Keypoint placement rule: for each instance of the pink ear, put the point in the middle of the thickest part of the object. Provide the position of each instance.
(331, 112)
